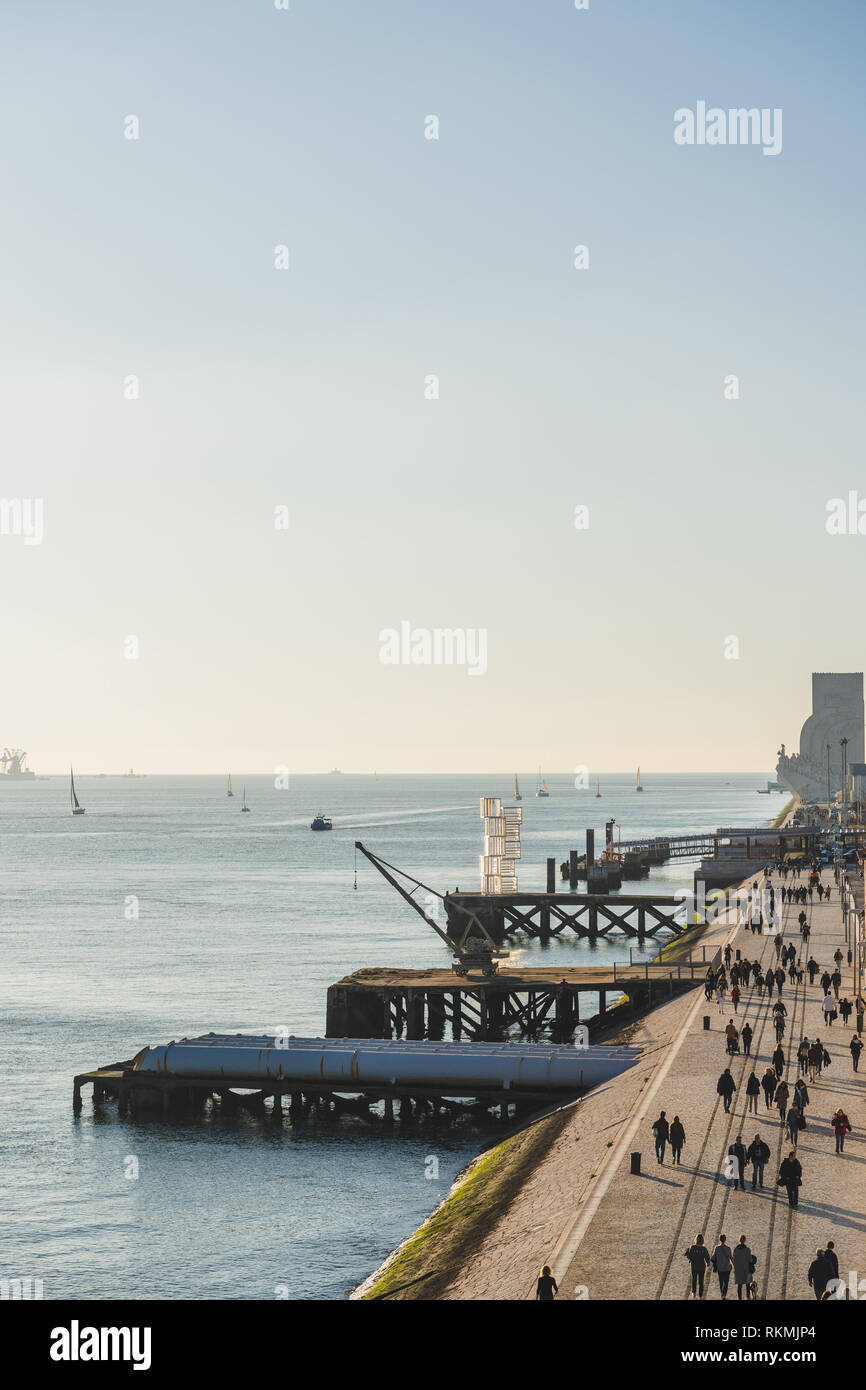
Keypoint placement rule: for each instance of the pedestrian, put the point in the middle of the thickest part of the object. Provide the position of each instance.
(733, 1037)
(829, 1009)
(744, 1266)
(820, 1273)
(841, 1127)
(812, 967)
(726, 1087)
(801, 1093)
(678, 1138)
(546, 1286)
(779, 1059)
(832, 1258)
(803, 1053)
(860, 1006)
(737, 1166)
(791, 1177)
(825, 981)
(856, 1047)
(836, 980)
(753, 1090)
(782, 1097)
(768, 1082)
(698, 1257)
(735, 997)
(723, 1264)
(720, 999)
(845, 1009)
(758, 1155)
(816, 1054)
(795, 1120)
(661, 1131)
(746, 1039)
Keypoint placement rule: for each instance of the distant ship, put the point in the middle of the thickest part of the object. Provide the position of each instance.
(541, 785)
(638, 788)
(230, 792)
(598, 786)
(321, 822)
(77, 808)
(517, 796)
(12, 763)
(244, 806)
(336, 770)
(130, 773)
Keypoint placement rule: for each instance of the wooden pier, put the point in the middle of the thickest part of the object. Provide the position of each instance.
(545, 915)
(537, 1004)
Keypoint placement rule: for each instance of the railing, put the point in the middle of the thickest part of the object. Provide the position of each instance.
(660, 971)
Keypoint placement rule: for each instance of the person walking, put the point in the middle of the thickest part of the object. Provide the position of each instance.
(825, 981)
(829, 1009)
(726, 1086)
(803, 1054)
(733, 1038)
(841, 1127)
(801, 1093)
(737, 1154)
(812, 967)
(816, 1052)
(758, 1154)
(779, 1059)
(782, 1097)
(735, 997)
(820, 1273)
(753, 1090)
(768, 1082)
(860, 1006)
(677, 1139)
(698, 1257)
(791, 1177)
(720, 999)
(836, 980)
(832, 1258)
(846, 1008)
(795, 1120)
(743, 1266)
(746, 1039)
(855, 1047)
(546, 1286)
(661, 1131)
(723, 1264)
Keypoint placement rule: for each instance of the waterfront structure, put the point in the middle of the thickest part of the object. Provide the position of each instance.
(498, 863)
(817, 771)
(12, 763)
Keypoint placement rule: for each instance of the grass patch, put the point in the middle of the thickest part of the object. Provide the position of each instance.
(431, 1258)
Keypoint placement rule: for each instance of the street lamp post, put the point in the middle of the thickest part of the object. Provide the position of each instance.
(844, 745)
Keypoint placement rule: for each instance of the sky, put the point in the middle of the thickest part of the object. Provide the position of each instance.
(308, 388)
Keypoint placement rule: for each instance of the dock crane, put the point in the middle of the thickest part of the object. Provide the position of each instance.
(475, 952)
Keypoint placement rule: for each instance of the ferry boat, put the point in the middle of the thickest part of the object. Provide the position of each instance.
(321, 822)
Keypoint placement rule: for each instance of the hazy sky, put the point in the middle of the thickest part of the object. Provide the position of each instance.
(411, 257)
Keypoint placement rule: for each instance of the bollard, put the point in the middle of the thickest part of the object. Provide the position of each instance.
(635, 1163)
(706, 1023)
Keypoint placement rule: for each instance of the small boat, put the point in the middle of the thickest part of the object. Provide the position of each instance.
(597, 786)
(244, 806)
(541, 785)
(230, 792)
(77, 808)
(638, 788)
(321, 822)
(517, 796)
(336, 771)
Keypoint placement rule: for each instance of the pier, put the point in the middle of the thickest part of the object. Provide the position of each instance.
(531, 1003)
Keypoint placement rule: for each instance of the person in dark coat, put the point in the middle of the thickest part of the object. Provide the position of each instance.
(783, 1095)
(661, 1130)
(726, 1086)
(743, 1266)
(795, 1121)
(737, 1155)
(832, 1258)
(856, 1047)
(801, 1093)
(698, 1257)
(746, 1039)
(820, 1273)
(791, 1177)
(546, 1287)
(753, 1090)
(779, 1059)
(723, 1263)
(758, 1154)
(768, 1081)
(677, 1138)
(812, 968)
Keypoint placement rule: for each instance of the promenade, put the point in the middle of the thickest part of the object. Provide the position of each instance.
(616, 1235)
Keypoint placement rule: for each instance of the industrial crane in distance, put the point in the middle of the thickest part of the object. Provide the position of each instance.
(474, 952)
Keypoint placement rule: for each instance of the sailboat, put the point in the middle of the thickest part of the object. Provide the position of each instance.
(517, 796)
(638, 788)
(77, 809)
(230, 792)
(598, 786)
(541, 785)
(244, 806)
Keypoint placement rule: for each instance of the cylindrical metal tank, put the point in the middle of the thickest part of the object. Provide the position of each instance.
(365, 1062)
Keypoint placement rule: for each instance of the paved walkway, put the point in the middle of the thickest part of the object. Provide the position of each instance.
(628, 1238)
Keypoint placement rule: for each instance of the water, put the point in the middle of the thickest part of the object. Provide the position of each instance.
(243, 922)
